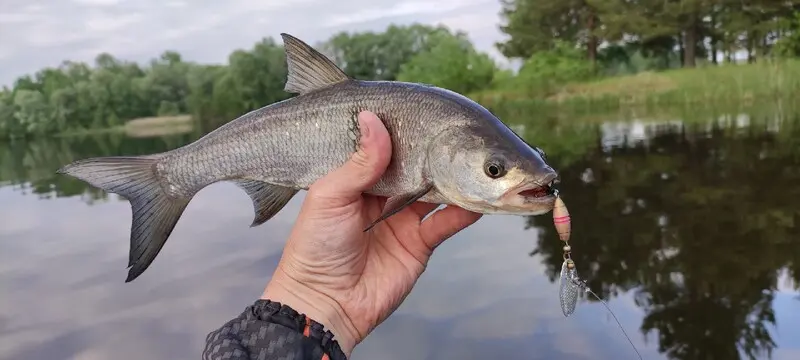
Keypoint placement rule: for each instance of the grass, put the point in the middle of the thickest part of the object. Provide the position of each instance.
(629, 89)
(707, 85)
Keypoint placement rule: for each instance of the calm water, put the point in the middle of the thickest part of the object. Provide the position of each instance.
(686, 227)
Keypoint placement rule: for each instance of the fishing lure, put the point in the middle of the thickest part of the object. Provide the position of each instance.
(569, 283)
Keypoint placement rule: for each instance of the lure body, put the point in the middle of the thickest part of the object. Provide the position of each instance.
(561, 219)
(568, 283)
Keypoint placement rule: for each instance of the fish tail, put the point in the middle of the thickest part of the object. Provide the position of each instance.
(155, 212)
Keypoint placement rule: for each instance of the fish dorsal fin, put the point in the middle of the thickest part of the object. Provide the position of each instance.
(308, 69)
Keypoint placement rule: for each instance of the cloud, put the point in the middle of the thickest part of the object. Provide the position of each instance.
(37, 34)
(404, 8)
(97, 2)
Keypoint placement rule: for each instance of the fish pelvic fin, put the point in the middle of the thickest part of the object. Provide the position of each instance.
(268, 199)
(155, 212)
(308, 69)
(399, 202)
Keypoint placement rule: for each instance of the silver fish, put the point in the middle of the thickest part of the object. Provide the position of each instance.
(446, 149)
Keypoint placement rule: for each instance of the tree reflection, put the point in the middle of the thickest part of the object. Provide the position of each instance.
(697, 222)
(31, 165)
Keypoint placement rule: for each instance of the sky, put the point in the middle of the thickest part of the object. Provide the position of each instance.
(40, 33)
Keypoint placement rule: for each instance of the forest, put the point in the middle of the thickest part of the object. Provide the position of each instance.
(557, 42)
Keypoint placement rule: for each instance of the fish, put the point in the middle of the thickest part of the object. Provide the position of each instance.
(446, 149)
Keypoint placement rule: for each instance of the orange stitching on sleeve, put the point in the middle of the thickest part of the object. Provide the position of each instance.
(307, 328)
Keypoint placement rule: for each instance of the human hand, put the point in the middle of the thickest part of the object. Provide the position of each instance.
(347, 279)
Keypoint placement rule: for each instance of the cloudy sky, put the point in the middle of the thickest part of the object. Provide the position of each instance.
(39, 33)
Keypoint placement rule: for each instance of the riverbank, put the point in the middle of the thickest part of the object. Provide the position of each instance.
(142, 127)
(159, 126)
(684, 93)
(703, 86)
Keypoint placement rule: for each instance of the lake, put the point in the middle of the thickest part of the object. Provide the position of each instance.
(685, 224)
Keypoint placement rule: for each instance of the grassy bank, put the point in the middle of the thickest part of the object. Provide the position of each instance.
(159, 126)
(733, 84)
(142, 127)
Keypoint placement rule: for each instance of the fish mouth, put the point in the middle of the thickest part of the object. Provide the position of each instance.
(542, 189)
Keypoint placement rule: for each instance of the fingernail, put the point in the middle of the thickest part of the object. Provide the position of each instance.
(363, 127)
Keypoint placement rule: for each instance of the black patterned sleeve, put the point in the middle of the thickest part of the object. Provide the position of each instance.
(268, 330)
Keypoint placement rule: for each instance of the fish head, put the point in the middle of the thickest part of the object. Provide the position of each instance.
(494, 173)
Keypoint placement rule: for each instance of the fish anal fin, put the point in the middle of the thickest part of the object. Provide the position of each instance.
(268, 199)
(399, 202)
(308, 69)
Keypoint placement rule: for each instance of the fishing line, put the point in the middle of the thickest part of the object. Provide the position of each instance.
(569, 282)
(615, 319)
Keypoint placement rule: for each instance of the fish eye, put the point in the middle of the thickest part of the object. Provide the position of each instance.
(494, 169)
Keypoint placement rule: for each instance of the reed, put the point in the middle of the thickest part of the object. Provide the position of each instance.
(709, 85)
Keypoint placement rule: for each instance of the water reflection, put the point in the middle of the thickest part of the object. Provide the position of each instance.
(698, 224)
(29, 166)
(687, 227)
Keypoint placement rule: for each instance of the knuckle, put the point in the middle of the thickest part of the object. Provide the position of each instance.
(361, 159)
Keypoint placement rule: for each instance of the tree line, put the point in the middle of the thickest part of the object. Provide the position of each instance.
(694, 29)
(558, 40)
(77, 96)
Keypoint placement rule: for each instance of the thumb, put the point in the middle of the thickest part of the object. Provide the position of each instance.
(365, 167)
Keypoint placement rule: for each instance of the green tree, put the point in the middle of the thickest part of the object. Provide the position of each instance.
(64, 102)
(453, 63)
(33, 113)
(379, 56)
(8, 123)
(166, 80)
(110, 91)
(536, 25)
(697, 28)
(788, 46)
(168, 108)
(201, 80)
(259, 74)
(227, 99)
(546, 70)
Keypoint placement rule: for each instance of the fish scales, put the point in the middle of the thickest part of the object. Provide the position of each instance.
(295, 143)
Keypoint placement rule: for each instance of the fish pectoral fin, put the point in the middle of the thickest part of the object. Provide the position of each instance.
(399, 202)
(308, 69)
(268, 199)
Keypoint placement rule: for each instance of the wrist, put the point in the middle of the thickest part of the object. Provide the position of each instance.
(315, 306)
